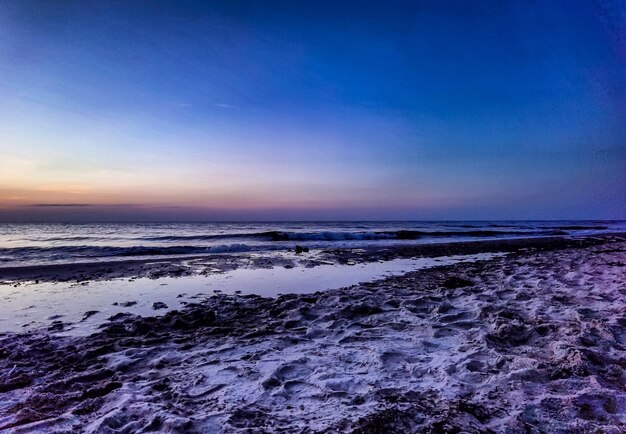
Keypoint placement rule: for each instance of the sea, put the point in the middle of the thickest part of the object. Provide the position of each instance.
(39, 244)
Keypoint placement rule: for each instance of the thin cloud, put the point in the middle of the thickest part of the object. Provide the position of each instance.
(56, 205)
(73, 205)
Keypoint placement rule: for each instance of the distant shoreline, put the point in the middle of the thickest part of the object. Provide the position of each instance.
(185, 265)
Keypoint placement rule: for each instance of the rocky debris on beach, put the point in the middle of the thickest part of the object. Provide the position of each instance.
(89, 314)
(300, 249)
(125, 303)
(531, 342)
(56, 325)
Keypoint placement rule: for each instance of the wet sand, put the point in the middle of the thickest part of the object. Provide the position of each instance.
(72, 308)
(534, 341)
(157, 267)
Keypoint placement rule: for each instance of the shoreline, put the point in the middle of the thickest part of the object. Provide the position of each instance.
(535, 340)
(210, 263)
(79, 308)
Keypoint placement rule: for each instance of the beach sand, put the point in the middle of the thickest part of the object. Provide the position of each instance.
(534, 341)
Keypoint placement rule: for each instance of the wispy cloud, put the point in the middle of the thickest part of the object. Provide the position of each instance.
(56, 205)
(73, 205)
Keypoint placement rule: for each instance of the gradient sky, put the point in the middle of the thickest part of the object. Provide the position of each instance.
(180, 110)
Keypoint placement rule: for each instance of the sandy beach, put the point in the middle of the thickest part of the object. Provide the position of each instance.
(530, 341)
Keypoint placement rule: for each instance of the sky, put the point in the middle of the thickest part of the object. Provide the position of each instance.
(309, 110)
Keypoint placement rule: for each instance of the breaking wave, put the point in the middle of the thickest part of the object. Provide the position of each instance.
(350, 235)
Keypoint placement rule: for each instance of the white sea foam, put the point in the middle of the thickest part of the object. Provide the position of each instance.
(32, 244)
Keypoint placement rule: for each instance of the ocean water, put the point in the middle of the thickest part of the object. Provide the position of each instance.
(34, 244)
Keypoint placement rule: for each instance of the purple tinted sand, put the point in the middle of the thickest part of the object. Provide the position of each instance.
(533, 341)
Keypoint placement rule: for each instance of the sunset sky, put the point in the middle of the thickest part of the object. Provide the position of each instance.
(179, 110)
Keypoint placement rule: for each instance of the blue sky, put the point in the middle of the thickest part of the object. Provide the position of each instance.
(321, 110)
